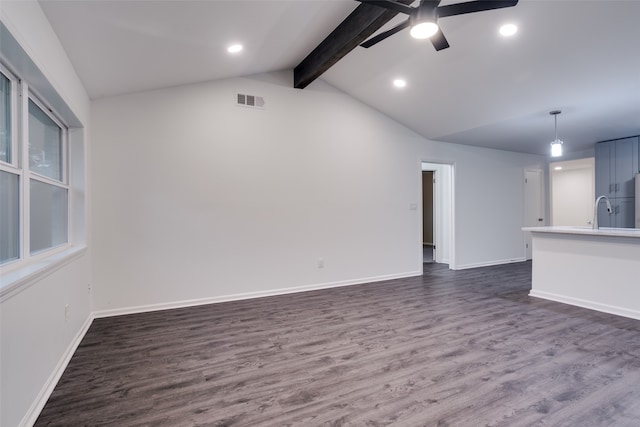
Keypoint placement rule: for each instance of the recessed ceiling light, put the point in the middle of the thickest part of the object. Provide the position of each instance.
(558, 168)
(508, 30)
(234, 48)
(399, 83)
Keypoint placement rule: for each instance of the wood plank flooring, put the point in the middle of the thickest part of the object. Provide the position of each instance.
(450, 348)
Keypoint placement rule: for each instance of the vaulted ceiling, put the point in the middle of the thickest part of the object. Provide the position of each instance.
(582, 57)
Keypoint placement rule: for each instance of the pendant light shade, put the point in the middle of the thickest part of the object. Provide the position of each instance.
(556, 144)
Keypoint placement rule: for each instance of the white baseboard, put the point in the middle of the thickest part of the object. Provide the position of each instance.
(490, 263)
(248, 295)
(32, 414)
(605, 308)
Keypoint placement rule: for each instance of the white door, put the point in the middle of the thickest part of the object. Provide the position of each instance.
(533, 207)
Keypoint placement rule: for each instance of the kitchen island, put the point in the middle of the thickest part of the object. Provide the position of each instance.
(596, 269)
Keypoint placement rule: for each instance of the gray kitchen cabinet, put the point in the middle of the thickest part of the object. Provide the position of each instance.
(606, 219)
(616, 163)
(616, 167)
(622, 215)
(624, 212)
(605, 156)
(626, 166)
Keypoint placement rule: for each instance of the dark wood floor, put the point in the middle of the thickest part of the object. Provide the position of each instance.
(451, 348)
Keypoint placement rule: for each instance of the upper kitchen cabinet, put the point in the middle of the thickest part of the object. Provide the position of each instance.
(617, 163)
(626, 164)
(605, 156)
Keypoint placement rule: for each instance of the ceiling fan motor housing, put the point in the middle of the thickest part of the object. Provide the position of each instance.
(427, 12)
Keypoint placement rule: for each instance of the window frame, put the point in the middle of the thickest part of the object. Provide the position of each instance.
(14, 90)
(31, 175)
(64, 131)
(15, 159)
(21, 95)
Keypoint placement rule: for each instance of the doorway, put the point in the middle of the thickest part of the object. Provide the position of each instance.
(428, 241)
(573, 191)
(437, 228)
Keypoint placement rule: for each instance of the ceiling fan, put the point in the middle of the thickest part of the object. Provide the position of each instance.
(423, 19)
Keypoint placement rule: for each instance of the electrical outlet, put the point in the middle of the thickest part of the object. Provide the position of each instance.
(320, 262)
(66, 312)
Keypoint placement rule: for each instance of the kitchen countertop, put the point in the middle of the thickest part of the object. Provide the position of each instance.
(588, 231)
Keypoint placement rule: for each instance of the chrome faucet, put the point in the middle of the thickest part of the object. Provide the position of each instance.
(595, 211)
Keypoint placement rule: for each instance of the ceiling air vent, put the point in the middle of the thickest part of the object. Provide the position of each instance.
(250, 101)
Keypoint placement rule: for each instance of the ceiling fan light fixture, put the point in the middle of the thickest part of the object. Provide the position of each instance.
(423, 18)
(424, 22)
(424, 30)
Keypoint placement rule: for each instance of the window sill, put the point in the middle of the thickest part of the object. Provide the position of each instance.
(16, 280)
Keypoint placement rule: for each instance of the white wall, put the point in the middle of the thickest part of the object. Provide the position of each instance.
(489, 201)
(197, 199)
(35, 338)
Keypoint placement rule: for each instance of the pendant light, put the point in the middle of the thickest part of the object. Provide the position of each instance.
(556, 144)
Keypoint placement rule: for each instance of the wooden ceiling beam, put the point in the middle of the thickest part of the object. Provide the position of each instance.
(365, 20)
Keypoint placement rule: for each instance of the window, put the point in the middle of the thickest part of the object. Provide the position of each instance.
(48, 198)
(48, 219)
(45, 144)
(5, 119)
(10, 175)
(9, 217)
(34, 192)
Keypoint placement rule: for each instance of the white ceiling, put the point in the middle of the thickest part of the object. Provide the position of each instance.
(582, 57)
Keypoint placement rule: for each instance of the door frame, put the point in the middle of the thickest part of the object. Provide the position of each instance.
(541, 208)
(444, 222)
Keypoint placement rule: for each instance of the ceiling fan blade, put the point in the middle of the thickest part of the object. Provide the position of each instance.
(391, 5)
(474, 6)
(439, 41)
(384, 35)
